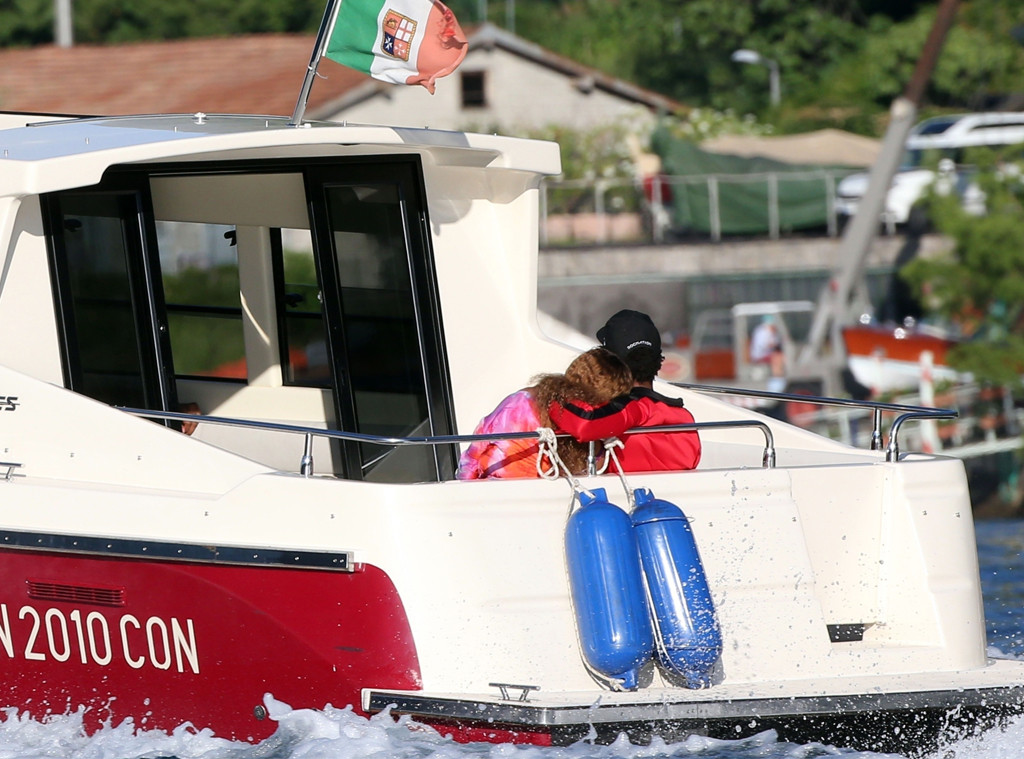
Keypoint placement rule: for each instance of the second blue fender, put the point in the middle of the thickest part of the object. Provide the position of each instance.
(688, 638)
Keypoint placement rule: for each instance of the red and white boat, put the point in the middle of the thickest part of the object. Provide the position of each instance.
(889, 357)
(309, 540)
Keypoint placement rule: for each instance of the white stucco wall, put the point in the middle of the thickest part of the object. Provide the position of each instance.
(520, 93)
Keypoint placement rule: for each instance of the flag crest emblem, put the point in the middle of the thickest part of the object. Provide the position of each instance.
(397, 41)
(397, 33)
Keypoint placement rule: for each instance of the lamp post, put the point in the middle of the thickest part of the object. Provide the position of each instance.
(62, 33)
(774, 83)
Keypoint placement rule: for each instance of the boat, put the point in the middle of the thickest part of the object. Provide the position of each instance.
(896, 357)
(343, 303)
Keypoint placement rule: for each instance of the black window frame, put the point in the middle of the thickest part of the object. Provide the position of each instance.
(145, 283)
(407, 170)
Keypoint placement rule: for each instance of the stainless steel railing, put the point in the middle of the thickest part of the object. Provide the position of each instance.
(768, 458)
(309, 433)
(876, 408)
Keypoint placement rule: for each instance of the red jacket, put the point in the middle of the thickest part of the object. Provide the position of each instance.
(643, 407)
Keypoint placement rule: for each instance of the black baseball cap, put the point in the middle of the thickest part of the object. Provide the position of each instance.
(627, 330)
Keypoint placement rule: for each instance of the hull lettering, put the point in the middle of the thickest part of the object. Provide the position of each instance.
(55, 635)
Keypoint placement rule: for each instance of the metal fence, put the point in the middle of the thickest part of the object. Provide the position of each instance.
(609, 210)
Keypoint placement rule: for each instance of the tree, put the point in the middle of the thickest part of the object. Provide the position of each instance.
(30, 22)
(26, 22)
(980, 284)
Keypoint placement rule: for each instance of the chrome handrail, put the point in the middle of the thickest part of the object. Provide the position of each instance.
(767, 458)
(892, 451)
(306, 462)
(876, 408)
(9, 467)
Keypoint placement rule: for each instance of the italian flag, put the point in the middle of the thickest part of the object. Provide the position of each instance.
(398, 41)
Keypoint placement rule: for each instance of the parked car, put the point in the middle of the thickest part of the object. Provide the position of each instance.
(945, 137)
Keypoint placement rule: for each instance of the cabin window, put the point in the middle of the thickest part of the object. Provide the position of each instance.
(303, 342)
(379, 326)
(113, 344)
(199, 265)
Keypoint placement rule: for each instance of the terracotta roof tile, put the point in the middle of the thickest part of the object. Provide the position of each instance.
(246, 74)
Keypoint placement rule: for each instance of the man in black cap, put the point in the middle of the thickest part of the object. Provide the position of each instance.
(633, 337)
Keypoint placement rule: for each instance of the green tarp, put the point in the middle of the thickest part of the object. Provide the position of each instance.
(734, 195)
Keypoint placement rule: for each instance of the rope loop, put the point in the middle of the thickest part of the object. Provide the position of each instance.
(548, 451)
(611, 445)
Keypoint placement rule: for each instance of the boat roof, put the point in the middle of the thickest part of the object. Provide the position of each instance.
(95, 143)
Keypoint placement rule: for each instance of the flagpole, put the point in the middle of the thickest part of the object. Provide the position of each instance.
(318, 51)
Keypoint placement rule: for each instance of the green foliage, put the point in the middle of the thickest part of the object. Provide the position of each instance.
(206, 286)
(980, 284)
(26, 22)
(592, 153)
(299, 266)
(842, 62)
(706, 123)
(204, 343)
(30, 22)
(975, 61)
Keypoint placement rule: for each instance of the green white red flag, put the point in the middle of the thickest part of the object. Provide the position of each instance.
(398, 41)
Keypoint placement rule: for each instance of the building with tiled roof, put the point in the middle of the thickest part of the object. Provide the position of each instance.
(249, 74)
(504, 83)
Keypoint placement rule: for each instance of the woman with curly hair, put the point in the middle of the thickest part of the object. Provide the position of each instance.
(594, 377)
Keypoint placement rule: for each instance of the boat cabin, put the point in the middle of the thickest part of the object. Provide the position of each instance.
(296, 290)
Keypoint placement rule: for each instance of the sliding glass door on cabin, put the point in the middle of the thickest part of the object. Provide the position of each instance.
(382, 317)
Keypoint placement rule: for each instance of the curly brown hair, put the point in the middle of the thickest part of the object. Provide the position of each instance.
(594, 377)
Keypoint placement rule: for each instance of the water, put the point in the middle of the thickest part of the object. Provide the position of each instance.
(340, 734)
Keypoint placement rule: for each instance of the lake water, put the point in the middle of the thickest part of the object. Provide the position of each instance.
(339, 734)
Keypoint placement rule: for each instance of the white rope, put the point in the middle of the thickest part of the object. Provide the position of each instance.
(548, 451)
(610, 445)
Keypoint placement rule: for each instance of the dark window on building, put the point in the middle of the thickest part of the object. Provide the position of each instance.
(474, 93)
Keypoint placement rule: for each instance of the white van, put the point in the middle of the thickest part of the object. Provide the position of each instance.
(947, 136)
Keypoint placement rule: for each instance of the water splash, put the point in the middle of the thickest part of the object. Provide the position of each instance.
(341, 734)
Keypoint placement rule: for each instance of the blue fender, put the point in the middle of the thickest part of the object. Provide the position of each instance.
(688, 638)
(608, 596)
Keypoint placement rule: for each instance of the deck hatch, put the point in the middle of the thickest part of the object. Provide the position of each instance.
(49, 590)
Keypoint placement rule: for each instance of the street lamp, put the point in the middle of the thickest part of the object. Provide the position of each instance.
(751, 56)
